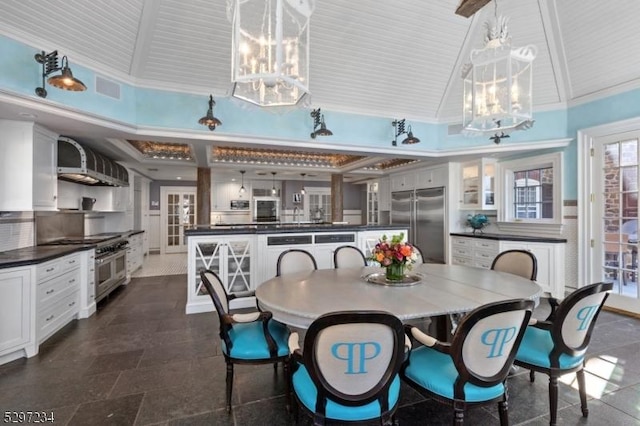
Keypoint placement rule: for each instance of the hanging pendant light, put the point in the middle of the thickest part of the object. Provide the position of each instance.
(242, 189)
(274, 191)
(498, 84)
(270, 51)
(303, 191)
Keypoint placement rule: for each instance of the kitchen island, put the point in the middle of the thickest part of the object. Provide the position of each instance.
(244, 256)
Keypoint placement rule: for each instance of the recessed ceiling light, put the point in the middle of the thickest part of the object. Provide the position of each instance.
(179, 177)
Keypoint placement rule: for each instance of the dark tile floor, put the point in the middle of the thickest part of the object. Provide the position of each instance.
(141, 360)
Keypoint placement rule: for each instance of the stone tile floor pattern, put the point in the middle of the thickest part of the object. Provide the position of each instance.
(142, 361)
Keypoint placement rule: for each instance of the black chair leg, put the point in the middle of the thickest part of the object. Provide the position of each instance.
(503, 408)
(287, 384)
(553, 399)
(229, 384)
(275, 366)
(532, 376)
(583, 393)
(458, 416)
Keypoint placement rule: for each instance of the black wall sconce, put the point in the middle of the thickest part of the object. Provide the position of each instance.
(209, 120)
(65, 80)
(318, 121)
(398, 125)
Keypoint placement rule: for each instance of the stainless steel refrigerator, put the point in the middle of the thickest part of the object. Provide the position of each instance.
(423, 212)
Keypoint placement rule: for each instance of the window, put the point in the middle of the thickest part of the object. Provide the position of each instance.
(531, 192)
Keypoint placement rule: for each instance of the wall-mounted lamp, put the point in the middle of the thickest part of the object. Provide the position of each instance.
(274, 191)
(398, 125)
(209, 120)
(65, 80)
(318, 121)
(242, 189)
(303, 191)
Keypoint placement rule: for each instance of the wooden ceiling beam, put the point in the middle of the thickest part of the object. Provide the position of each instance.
(467, 8)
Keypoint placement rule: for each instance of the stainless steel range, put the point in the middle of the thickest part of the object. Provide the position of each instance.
(111, 266)
(110, 263)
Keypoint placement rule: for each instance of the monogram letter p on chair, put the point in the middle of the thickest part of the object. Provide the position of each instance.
(348, 371)
(557, 345)
(472, 369)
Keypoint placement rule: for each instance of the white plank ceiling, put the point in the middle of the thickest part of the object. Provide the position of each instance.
(392, 59)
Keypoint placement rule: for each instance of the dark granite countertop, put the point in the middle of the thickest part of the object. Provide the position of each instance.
(509, 237)
(38, 254)
(283, 228)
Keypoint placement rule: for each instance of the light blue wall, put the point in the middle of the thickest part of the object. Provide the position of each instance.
(148, 108)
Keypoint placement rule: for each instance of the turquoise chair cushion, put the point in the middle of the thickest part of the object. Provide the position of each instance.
(536, 346)
(306, 391)
(248, 341)
(436, 372)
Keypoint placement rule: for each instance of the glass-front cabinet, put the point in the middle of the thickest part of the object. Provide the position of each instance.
(478, 182)
(372, 203)
(229, 257)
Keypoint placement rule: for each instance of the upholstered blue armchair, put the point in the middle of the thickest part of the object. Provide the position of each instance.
(557, 345)
(348, 370)
(471, 370)
(247, 338)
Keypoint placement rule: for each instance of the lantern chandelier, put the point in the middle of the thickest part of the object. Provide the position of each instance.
(498, 85)
(270, 50)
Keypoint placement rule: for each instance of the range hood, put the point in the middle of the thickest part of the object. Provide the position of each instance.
(80, 164)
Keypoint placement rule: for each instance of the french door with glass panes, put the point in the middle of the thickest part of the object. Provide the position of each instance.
(178, 210)
(614, 217)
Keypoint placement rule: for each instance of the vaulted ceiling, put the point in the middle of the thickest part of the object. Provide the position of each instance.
(370, 57)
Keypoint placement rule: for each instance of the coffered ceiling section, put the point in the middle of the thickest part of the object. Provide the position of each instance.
(258, 158)
(163, 151)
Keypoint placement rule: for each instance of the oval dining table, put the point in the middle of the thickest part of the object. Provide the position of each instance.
(298, 299)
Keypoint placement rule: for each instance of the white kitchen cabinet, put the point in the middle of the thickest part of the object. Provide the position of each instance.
(231, 257)
(135, 253)
(29, 177)
(550, 258)
(431, 178)
(17, 308)
(88, 285)
(270, 247)
(224, 192)
(477, 185)
(480, 252)
(57, 294)
(403, 182)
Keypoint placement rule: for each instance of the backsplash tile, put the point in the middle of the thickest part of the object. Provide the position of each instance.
(17, 230)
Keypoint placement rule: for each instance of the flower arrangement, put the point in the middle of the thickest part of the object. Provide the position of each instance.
(394, 255)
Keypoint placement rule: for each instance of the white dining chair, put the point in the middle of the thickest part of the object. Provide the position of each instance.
(295, 260)
(348, 257)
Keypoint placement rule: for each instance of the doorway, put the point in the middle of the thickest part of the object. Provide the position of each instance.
(611, 219)
(177, 210)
